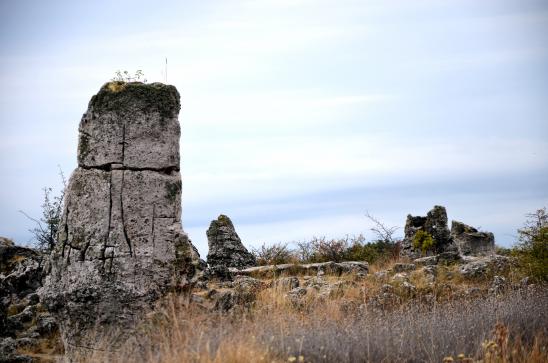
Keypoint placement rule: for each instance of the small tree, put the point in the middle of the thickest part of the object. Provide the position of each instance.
(46, 228)
(383, 232)
(385, 237)
(275, 254)
(532, 249)
(304, 251)
(423, 241)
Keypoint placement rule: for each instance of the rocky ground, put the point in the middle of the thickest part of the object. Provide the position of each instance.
(27, 331)
(333, 291)
(432, 279)
(420, 310)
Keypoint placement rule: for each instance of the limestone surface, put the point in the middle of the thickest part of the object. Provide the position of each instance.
(225, 247)
(121, 243)
(470, 241)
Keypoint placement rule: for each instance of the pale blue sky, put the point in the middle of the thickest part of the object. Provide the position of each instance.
(298, 117)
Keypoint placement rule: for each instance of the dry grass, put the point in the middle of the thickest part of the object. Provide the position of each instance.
(345, 328)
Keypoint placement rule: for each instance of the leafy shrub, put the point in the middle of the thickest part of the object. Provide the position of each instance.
(321, 249)
(328, 249)
(349, 248)
(423, 241)
(532, 250)
(46, 228)
(371, 252)
(275, 254)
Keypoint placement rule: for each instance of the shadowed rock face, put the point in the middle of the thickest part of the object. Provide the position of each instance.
(121, 244)
(225, 247)
(470, 241)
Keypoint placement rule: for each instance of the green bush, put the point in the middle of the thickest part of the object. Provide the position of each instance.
(423, 241)
(532, 250)
(371, 252)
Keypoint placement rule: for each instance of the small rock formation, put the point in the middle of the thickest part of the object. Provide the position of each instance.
(23, 321)
(472, 242)
(121, 244)
(225, 247)
(450, 246)
(435, 224)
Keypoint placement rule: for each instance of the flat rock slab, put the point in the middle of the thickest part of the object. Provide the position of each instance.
(306, 269)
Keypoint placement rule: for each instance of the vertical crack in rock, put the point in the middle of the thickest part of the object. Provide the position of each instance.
(128, 161)
(124, 226)
(103, 257)
(123, 143)
(65, 239)
(109, 209)
(153, 217)
(83, 251)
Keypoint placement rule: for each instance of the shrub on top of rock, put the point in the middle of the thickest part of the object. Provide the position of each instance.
(423, 241)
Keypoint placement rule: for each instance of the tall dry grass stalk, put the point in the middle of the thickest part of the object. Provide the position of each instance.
(344, 329)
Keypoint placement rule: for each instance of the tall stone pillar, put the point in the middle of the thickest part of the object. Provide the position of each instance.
(121, 244)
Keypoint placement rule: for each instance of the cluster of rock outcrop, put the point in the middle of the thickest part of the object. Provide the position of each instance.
(460, 240)
(294, 281)
(24, 322)
(122, 247)
(121, 244)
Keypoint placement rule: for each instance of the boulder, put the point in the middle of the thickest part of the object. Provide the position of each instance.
(470, 241)
(121, 244)
(286, 283)
(478, 267)
(225, 247)
(403, 267)
(426, 261)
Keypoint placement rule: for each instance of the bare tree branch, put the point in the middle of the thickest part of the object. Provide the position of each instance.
(382, 231)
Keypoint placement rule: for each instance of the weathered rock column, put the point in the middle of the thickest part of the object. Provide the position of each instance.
(121, 244)
(435, 224)
(225, 247)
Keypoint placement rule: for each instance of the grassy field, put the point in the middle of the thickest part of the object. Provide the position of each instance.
(451, 320)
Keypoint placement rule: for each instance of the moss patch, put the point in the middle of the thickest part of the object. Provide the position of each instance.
(423, 241)
(122, 97)
(172, 190)
(83, 146)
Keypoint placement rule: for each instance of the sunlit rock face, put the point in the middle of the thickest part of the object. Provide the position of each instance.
(121, 243)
